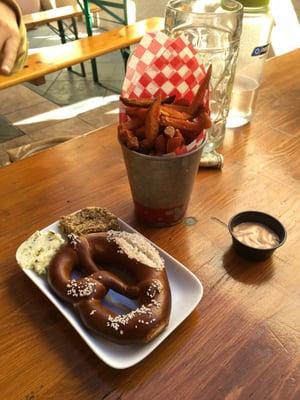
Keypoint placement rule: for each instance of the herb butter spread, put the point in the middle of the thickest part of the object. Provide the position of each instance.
(36, 252)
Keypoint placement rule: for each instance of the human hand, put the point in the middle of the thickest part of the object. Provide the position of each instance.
(9, 38)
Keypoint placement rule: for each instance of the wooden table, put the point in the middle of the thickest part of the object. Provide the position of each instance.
(242, 341)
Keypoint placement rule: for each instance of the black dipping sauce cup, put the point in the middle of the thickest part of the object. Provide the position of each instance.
(253, 253)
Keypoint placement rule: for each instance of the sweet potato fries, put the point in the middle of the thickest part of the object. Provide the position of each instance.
(158, 127)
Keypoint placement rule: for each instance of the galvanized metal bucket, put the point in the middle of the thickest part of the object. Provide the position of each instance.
(161, 186)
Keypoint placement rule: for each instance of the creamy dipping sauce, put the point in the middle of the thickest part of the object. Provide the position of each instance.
(255, 235)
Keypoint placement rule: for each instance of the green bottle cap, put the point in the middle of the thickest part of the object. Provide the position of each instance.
(254, 3)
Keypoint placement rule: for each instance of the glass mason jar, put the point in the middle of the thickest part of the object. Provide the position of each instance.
(213, 28)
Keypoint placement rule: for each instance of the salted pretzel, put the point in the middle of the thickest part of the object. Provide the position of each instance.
(124, 262)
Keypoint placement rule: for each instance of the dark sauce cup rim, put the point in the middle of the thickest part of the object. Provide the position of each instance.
(282, 237)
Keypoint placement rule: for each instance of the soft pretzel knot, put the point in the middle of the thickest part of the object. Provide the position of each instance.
(102, 259)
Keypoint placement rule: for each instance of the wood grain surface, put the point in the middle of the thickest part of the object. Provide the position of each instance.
(242, 341)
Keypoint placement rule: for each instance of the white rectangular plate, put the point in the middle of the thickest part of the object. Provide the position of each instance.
(186, 291)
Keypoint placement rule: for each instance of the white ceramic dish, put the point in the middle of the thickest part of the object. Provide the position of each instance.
(186, 290)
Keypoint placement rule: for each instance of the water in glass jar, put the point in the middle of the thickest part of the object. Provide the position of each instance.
(243, 99)
(215, 49)
(213, 28)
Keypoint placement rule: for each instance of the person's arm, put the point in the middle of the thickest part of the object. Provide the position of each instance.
(13, 41)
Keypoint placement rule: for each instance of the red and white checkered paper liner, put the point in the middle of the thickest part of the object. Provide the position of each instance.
(165, 66)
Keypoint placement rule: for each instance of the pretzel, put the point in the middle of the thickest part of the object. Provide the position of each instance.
(126, 254)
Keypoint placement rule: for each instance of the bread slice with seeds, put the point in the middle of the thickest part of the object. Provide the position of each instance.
(89, 220)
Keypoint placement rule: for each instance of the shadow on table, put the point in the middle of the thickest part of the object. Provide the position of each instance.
(246, 271)
(56, 335)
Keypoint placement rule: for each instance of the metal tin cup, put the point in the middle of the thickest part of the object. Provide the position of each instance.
(161, 186)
